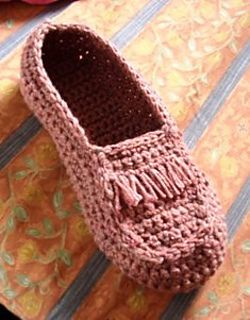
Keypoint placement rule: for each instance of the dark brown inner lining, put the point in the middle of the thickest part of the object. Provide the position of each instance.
(97, 87)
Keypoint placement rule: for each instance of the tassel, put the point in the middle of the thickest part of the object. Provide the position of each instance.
(148, 186)
(164, 183)
(130, 196)
(183, 167)
(169, 180)
(151, 185)
(174, 177)
(142, 188)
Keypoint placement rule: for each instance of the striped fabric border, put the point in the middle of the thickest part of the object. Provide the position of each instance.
(228, 82)
(73, 297)
(18, 139)
(180, 303)
(137, 23)
(30, 127)
(239, 209)
(217, 97)
(16, 38)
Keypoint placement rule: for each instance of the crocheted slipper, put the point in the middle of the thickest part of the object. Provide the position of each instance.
(149, 208)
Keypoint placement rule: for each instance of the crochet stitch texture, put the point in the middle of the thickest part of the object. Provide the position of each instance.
(149, 208)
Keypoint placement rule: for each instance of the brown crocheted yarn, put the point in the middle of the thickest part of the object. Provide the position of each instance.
(148, 206)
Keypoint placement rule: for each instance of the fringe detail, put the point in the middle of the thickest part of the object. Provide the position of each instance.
(162, 182)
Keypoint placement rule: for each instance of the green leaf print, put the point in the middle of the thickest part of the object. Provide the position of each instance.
(23, 280)
(245, 247)
(48, 226)
(65, 256)
(77, 206)
(33, 232)
(246, 291)
(10, 223)
(29, 162)
(20, 213)
(8, 258)
(9, 293)
(58, 199)
(2, 273)
(212, 296)
(62, 214)
(21, 174)
(204, 311)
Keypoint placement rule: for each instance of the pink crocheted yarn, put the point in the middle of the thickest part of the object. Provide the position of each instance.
(149, 208)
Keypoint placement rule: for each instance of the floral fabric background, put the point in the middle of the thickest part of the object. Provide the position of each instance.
(44, 242)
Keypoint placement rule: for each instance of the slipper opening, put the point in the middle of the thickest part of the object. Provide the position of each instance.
(98, 87)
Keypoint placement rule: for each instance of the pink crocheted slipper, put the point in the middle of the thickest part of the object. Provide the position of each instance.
(149, 208)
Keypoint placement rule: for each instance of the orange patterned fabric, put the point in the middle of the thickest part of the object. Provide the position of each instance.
(177, 54)
(42, 234)
(117, 297)
(224, 151)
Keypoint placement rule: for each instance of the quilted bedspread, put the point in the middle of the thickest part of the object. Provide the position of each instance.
(195, 54)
